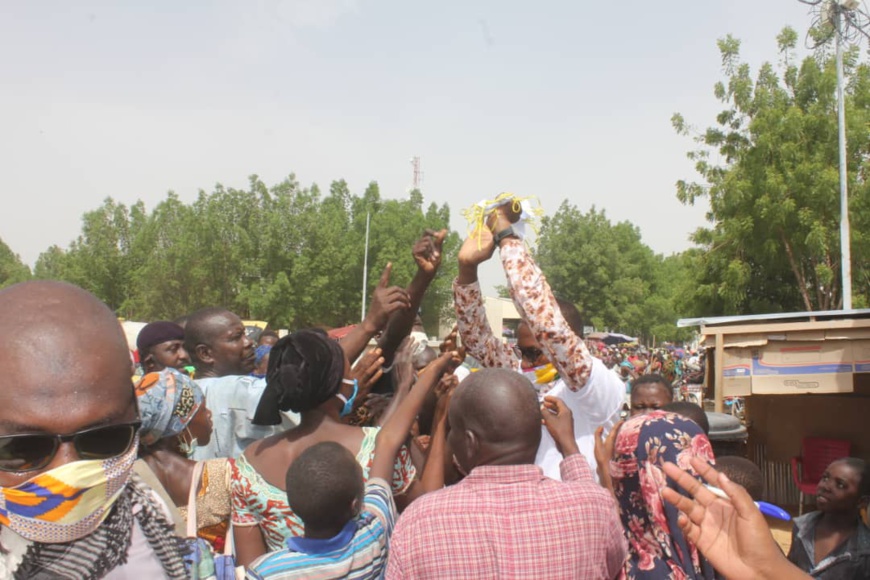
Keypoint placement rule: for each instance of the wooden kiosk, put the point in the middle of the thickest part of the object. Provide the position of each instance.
(803, 374)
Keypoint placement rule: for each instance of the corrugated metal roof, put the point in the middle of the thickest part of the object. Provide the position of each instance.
(781, 316)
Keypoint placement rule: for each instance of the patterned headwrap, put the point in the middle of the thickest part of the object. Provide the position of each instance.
(168, 400)
(657, 545)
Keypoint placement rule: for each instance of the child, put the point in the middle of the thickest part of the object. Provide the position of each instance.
(347, 523)
(649, 393)
(832, 542)
(743, 472)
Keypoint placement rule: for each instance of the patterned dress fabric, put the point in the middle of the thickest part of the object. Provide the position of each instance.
(213, 503)
(257, 502)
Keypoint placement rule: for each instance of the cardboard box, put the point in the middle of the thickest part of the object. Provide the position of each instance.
(790, 368)
(861, 355)
(738, 372)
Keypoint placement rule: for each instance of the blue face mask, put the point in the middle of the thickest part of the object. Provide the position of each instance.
(348, 403)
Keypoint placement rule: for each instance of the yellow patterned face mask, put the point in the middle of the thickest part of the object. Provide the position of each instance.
(68, 502)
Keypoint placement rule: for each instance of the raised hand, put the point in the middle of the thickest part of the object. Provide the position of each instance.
(477, 248)
(385, 301)
(559, 421)
(403, 366)
(427, 251)
(449, 345)
(604, 453)
(444, 392)
(731, 534)
(449, 342)
(367, 371)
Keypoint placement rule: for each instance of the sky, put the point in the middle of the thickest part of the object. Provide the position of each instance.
(554, 99)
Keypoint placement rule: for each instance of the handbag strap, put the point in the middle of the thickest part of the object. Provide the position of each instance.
(229, 546)
(191, 499)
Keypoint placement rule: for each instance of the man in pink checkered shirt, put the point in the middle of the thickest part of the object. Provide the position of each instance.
(506, 519)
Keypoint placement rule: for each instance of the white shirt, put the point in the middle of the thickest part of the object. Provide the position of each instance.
(598, 404)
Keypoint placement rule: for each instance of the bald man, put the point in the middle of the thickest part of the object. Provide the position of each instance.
(224, 358)
(68, 414)
(506, 519)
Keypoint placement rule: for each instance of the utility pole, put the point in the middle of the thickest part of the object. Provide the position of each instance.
(365, 266)
(845, 231)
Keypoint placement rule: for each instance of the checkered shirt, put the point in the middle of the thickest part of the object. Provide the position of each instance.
(506, 522)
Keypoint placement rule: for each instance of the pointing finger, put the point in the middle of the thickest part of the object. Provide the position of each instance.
(385, 276)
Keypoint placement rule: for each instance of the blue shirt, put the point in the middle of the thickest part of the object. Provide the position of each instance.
(233, 400)
(358, 551)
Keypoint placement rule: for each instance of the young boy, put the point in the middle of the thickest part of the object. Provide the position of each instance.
(347, 523)
(649, 393)
(743, 472)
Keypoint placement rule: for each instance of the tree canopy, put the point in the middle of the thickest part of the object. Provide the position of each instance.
(12, 270)
(617, 282)
(286, 254)
(769, 170)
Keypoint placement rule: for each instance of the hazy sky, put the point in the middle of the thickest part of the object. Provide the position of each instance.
(556, 99)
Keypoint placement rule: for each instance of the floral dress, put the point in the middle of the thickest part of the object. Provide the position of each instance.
(258, 502)
(656, 544)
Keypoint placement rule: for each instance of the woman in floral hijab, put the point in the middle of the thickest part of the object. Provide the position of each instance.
(657, 547)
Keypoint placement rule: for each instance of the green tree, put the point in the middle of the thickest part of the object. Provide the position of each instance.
(769, 170)
(616, 280)
(285, 254)
(12, 269)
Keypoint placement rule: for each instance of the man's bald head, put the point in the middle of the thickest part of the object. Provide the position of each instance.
(495, 418)
(65, 360)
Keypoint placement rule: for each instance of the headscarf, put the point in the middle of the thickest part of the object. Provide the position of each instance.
(156, 333)
(656, 544)
(168, 400)
(305, 370)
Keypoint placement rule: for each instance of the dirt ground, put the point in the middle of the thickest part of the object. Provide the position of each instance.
(781, 533)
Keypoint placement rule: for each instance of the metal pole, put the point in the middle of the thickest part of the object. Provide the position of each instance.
(845, 240)
(365, 267)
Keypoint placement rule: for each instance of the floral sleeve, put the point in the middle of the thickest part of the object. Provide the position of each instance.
(404, 471)
(475, 331)
(538, 307)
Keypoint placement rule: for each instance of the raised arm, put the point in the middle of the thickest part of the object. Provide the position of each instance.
(471, 319)
(537, 306)
(731, 533)
(427, 255)
(394, 433)
(386, 301)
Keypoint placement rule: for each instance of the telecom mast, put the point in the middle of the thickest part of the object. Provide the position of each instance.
(417, 182)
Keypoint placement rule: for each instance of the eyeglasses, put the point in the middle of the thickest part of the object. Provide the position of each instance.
(530, 353)
(31, 452)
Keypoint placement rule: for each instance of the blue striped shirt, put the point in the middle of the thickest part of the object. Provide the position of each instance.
(358, 551)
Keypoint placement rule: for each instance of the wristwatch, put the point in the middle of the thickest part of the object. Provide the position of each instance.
(505, 233)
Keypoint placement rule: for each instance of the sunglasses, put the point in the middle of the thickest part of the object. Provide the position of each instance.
(31, 452)
(530, 353)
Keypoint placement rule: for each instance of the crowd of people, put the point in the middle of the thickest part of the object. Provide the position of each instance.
(376, 455)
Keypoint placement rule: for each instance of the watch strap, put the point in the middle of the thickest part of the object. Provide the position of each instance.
(505, 233)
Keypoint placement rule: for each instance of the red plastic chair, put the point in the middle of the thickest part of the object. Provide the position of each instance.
(816, 455)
